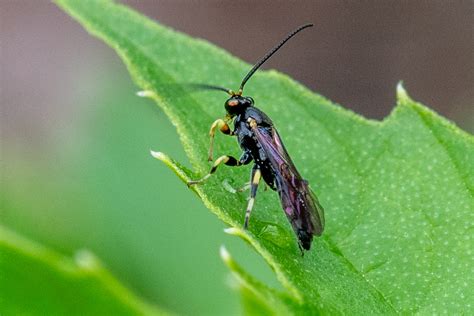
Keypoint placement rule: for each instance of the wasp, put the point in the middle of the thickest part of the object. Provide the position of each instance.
(261, 143)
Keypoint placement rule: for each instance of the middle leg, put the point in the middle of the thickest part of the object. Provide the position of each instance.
(228, 160)
(245, 159)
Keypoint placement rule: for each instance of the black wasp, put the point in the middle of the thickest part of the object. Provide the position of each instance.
(261, 143)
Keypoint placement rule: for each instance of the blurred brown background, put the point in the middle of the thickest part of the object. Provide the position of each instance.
(355, 55)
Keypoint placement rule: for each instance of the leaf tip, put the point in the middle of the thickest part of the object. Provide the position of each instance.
(179, 170)
(402, 95)
(230, 263)
(145, 94)
(86, 260)
(233, 231)
(158, 155)
(242, 233)
(225, 255)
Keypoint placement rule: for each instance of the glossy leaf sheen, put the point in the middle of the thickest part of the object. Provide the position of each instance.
(398, 194)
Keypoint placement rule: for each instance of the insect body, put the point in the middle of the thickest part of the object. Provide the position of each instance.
(261, 143)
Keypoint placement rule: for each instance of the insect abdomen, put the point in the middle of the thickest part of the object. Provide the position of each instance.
(305, 238)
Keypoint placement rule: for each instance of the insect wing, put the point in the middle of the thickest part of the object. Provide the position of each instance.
(299, 203)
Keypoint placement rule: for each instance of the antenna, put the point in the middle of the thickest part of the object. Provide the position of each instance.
(269, 54)
(200, 86)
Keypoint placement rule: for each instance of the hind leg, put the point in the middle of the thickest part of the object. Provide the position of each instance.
(254, 181)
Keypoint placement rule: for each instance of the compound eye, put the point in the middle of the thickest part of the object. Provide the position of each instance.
(232, 103)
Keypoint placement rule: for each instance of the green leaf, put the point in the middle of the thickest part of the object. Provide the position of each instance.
(398, 194)
(39, 281)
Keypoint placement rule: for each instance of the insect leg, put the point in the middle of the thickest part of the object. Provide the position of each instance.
(255, 179)
(228, 160)
(245, 159)
(223, 127)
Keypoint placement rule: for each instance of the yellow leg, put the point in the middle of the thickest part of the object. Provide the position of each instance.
(228, 160)
(223, 127)
(256, 176)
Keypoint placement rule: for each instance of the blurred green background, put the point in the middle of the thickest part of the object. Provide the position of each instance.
(76, 169)
(77, 172)
(93, 184)
(97, 187)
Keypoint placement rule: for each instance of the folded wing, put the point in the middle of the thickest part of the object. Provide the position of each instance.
(301, 206)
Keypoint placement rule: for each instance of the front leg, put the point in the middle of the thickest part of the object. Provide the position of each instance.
(223, 127)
